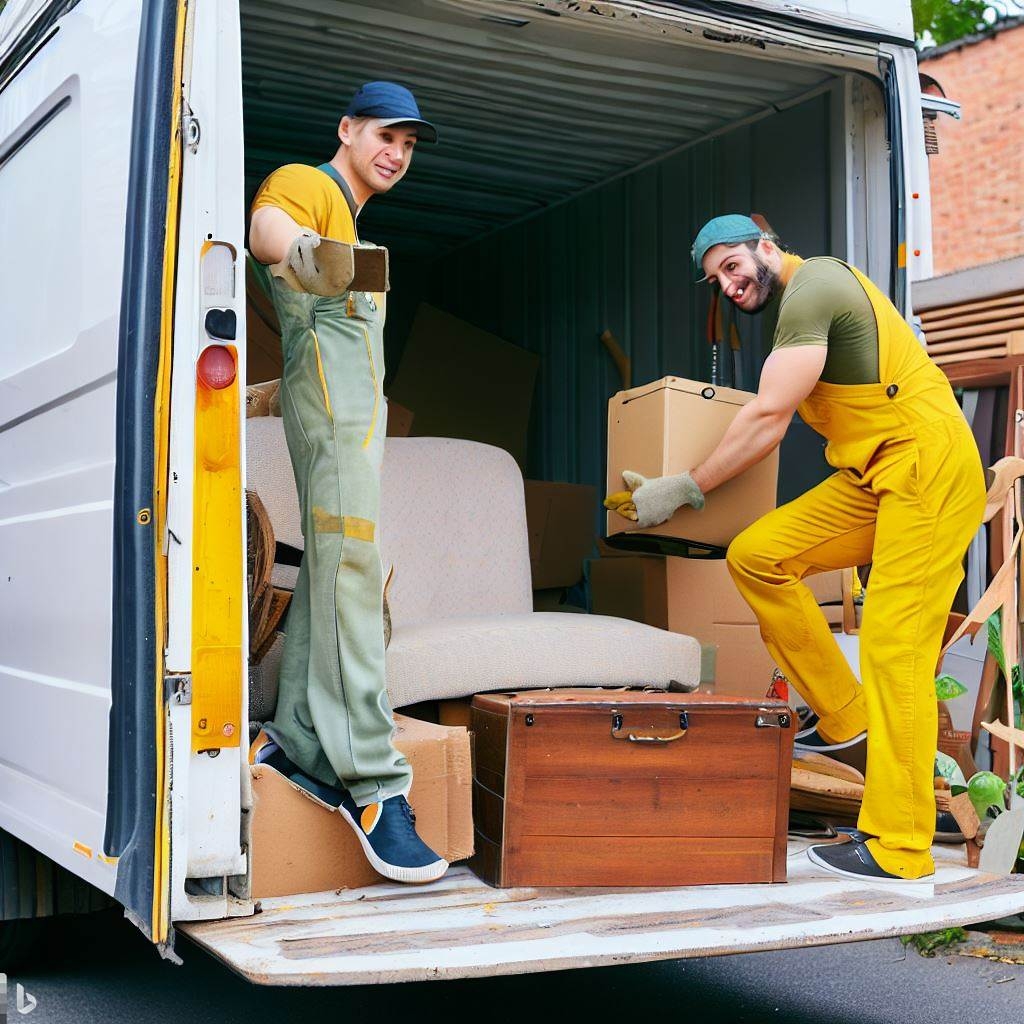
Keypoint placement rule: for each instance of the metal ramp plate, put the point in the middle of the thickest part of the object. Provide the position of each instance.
(459, 927)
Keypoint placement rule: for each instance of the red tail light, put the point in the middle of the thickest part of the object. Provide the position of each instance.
(216, 367)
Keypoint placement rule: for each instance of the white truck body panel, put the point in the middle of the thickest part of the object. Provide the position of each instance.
(62, 220)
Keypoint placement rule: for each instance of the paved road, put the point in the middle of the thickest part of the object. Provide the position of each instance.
(100, 969)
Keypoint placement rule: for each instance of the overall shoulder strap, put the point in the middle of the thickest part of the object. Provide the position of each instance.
(346, 192)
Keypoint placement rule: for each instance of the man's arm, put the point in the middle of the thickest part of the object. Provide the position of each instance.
(788, 377)
(271, 233)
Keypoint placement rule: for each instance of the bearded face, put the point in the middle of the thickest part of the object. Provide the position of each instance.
(744, 276)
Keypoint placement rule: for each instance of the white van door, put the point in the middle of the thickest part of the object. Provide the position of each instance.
(66, 100)
(87, 91)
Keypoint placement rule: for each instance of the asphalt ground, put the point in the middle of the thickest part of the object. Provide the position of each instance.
(100, 969)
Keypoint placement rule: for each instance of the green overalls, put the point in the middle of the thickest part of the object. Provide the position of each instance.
(333, 718)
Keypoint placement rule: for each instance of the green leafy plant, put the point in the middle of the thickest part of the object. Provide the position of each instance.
(934, 943)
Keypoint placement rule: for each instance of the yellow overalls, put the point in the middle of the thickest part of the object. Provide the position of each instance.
(908, 497)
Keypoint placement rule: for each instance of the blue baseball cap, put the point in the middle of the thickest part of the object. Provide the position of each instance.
(393, 104)
(730, 229)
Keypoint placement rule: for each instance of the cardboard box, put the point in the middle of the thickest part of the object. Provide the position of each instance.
(630, 587)
(703, 601)
(463, 382)
(300, 846)
(670, 426)
(743, 666)
(560, 522)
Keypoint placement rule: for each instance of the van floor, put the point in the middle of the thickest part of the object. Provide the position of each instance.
(459, 927)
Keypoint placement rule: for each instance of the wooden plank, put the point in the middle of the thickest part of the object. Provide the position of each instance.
(458, 927)
(993, 328)
(962, 357)
(938, 313)
(971, 344)
(639, 860)
(655, 805)
(1015, 309)
(983, 373)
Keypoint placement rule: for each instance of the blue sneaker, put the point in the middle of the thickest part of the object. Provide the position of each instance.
(386, 830)
(387, 834)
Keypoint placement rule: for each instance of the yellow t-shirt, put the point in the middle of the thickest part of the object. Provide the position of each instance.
(311, 198)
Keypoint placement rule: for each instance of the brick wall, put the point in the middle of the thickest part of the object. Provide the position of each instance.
(977, 178)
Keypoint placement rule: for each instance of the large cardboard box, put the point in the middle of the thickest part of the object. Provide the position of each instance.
(703, 601)
(670, 426)
(300, 846)
(463, 382)
(630, 587)
(560, 521)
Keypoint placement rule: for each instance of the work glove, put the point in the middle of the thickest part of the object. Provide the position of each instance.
(652, 502)
(301, 261)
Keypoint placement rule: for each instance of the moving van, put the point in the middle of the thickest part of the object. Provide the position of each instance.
(581, 147)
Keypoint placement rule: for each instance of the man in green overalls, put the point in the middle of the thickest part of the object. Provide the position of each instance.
(332, 729)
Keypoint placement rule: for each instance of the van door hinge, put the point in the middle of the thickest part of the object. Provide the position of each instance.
(190, 128)
(178, 688)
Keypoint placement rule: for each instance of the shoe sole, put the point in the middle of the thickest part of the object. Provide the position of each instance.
(951, 838)
(797, 745)
(832, 870)
(428, 873)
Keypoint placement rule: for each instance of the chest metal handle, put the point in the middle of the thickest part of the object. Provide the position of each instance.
(632, 737)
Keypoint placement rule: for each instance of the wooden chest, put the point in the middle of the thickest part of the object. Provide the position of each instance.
(623, 788)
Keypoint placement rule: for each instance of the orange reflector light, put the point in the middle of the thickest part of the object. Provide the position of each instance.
(216, 367)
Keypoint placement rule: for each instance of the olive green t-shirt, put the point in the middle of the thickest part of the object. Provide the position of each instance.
(824, 304)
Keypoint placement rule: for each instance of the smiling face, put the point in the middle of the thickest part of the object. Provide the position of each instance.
(376, 155)
(748, 277)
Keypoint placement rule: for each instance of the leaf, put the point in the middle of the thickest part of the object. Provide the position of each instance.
(947, 687)
(947, 768)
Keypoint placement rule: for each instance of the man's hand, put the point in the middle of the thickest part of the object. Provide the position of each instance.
(652, 502)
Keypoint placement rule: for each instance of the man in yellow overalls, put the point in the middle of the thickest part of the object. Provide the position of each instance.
(332, 729)
(907, 495)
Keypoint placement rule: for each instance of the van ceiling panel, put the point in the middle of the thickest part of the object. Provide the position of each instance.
(531, 107)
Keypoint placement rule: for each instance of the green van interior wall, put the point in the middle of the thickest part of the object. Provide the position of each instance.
(618, 258)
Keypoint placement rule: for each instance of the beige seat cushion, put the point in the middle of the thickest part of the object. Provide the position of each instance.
(457, 657)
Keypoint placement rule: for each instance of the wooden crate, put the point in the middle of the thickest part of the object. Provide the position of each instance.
(629, 788)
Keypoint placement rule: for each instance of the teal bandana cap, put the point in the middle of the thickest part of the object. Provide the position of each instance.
(729, 229)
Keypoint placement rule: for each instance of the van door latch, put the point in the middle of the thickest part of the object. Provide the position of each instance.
(178, 688)
(190, 128)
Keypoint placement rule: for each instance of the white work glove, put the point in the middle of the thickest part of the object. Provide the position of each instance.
(652, 502)
(302, 262)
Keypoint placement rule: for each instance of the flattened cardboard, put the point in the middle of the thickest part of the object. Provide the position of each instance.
(300, 846)
(670, 426)
(560, 522)
(463, 382)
